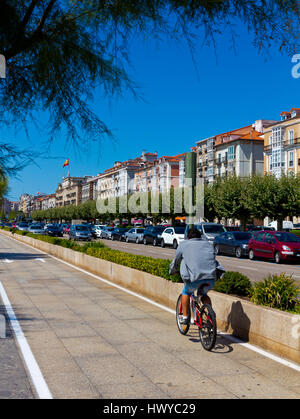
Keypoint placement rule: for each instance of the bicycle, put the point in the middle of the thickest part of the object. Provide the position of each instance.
(204, 318)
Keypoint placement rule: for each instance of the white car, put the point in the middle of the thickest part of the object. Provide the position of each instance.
(97, 230)
(172, 236)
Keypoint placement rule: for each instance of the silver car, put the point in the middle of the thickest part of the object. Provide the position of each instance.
(80, 232)
(106, 232)
(36, 229)
(135, 235)
(23, 226)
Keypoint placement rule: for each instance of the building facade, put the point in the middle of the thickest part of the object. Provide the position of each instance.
(69, 191)
(120, 179)
(239, 152)
(282, 145)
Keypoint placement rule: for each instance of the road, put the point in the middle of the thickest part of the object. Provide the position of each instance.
(256, 270)
(91, 340)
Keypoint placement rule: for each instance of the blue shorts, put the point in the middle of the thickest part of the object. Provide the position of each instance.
(202, 285)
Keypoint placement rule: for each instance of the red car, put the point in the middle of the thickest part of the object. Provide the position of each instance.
(278, 245)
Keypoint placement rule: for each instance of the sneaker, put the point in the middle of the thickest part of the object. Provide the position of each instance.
(183, 320)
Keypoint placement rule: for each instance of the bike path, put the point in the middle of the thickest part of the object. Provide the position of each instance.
(92, 340)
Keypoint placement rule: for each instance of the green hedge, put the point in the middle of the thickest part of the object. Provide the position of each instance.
(157, 267)
(234, 283)
(277, 291)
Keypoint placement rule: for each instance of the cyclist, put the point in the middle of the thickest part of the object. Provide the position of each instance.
(198, 268)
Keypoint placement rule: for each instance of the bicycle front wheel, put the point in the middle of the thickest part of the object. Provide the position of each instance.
(183, 328)
(208, 330)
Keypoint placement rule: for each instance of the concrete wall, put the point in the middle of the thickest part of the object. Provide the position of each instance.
(270, 329)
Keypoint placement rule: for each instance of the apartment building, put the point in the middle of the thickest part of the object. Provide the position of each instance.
(69, 191)
(238, 152)
(26, 202)
(48, 202)
(282, 145)
(159, 175)
(89, 189)
(14, 205)
(119, 179)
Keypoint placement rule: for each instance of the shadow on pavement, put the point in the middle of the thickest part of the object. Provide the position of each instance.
(21, 256)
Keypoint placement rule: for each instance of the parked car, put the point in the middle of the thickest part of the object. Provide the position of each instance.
(233, 228)
(23, 226)
(135, 235)
(96, 230)
(118, 233)
(253, 228)
(278, 245)
(54, 230)
(232, 243)
(297, 226)
(36, 229)
(172, 236)
(80, 232)
(153, 234)
(106, 232)
(209, 230)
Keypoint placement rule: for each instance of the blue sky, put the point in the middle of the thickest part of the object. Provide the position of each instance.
(183, 103)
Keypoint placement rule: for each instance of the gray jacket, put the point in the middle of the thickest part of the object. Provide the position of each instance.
(197, 258)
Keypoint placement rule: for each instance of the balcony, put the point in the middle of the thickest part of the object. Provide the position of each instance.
(267, 148)
(292, 143)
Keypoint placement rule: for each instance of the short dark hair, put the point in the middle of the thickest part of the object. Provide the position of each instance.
(194, 233)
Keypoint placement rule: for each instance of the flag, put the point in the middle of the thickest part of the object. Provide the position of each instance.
(66, 163)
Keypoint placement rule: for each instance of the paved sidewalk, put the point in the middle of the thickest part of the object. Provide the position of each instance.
(92, 340)
(14, 383)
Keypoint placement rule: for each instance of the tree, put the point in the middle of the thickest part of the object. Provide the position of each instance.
(275, 198)
(229, 200)
(58, 51)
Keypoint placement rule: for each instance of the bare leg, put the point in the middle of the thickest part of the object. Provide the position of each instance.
(185, 304)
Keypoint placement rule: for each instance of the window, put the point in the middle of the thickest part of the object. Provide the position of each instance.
(276, 158)
(231, 154)
(259, 237)
(291, 159)
(291, 137)
(277, 137)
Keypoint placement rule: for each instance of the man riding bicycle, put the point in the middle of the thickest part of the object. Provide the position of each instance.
(198, 268)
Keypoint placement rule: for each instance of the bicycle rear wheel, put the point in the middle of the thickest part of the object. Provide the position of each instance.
(208, 331)
(183, 328)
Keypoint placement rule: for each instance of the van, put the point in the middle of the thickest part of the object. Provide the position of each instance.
(286, 225)
(209, 230)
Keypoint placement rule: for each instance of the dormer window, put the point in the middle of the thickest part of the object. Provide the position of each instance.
(293, 114)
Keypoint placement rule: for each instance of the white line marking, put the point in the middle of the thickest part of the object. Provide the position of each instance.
(246, 267)
(31, 364)
(262, 352)
(7, 261)
(40, 260)
(253, 348)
